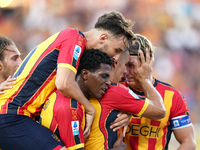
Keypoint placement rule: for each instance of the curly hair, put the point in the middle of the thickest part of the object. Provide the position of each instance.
(4, 42)
(141, 43)
(115, 23)
(91, 60)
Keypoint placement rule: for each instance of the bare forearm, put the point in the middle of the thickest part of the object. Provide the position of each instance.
(152, 94)
(72, 90)
(66, 84)
(156, 109)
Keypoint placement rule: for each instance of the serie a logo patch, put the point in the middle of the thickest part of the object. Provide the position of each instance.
(75, 127)
(77, 52)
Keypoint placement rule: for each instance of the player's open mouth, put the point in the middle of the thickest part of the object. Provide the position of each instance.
(104, 90)
(129, 79)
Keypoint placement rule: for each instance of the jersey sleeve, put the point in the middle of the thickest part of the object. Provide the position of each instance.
(124, 99)
(179, 105)
(69, 117)
(71, 48)
(179, 117)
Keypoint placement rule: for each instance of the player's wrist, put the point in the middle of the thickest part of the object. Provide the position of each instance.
(89, 108)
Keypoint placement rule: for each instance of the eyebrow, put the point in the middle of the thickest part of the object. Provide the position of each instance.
(119, 49)
(133, 54)
(18, 53)
(10, 50)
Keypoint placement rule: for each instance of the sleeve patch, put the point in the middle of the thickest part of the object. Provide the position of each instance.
(180, 122)
(77, 52)
(75, 127)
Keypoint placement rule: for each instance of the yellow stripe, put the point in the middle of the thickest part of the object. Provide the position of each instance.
(146, 104)
(76, 146)
(47, 111)
(96, 139)
(168, 104)
(143, 140)
(67, 66)
(83, 120)
(20, 79)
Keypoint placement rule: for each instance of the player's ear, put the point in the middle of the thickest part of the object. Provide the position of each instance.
(1, 65)
(84, 74)
(103, 37)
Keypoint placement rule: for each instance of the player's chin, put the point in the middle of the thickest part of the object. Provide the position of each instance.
(100, 95)
(131, 82)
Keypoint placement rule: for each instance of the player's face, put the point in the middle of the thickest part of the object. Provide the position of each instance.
(98, 81)
(113, 46)
(119, 69)
(129, 72)
(11, 61)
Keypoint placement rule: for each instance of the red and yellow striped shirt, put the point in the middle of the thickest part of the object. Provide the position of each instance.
(36, 75)
(144, 133)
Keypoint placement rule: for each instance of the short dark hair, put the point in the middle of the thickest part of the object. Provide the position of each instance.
(4, 42)
(115, 23)
(91, 60)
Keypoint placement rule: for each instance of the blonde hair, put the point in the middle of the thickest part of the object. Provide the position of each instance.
(141, 43)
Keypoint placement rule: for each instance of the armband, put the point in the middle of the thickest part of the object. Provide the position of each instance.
(180, 122)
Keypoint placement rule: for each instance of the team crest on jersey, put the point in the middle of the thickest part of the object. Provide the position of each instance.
(77, 52)
(75, 127)
(133, 94)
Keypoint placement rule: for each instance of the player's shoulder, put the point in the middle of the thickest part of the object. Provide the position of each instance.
(73, 31)
(160, 85)
(118, 87)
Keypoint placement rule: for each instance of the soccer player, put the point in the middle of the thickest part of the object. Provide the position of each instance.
(117, 69)
(65, 116)
(120, 98)
(145, 133)
(53, 64)
(9, 62)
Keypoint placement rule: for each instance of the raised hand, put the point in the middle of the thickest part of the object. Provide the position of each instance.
(6, 84)
(143, 68)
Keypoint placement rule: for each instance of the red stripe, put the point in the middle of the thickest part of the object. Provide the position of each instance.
(37, 93)
(134, 140)
(151, 143)
(57, 147)
(46, 52)
(155, 123)
(105, 132)
(135, 121)
(4, 107)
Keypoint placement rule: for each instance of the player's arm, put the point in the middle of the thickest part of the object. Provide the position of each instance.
(185, 136)
(119, 144)
(66, 84)
(6, 84)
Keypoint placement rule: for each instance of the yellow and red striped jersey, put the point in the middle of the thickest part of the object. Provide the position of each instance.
(117, 98)
(144, 133)
(36, 75)
(66, 118)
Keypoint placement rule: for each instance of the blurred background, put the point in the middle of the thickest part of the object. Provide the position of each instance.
(173, 27)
